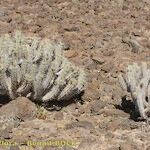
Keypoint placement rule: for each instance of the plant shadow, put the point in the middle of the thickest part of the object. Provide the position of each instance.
(4, 99)
(58, 105)
(128, 106)
(50, 106)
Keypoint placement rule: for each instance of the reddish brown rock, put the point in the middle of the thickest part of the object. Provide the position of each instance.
(21, 108)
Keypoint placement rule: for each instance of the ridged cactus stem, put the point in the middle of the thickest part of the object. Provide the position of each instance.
(136, 80)
(37, 69)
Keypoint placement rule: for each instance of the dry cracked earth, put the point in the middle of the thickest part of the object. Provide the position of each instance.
(103, 37)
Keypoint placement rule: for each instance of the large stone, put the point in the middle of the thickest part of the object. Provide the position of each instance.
(21, 108)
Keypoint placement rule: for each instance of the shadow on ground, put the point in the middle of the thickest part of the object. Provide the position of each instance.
(4, 99)
(129, 107)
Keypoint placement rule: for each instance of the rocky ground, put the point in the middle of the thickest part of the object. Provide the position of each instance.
(106, 36)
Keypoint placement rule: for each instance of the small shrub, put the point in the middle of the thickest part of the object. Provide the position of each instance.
(40, 113)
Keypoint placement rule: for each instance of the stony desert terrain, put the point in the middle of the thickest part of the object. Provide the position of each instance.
(103, 37)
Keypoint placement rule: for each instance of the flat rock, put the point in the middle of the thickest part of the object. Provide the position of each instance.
(128, 146)
(80, 124)
(97, 106)
(6, 133)
(59, 116)
(98, 60)
(71, 53)
(114, 112)
(118, 123)
(89, 144)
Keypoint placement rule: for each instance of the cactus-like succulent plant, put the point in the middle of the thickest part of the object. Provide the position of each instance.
(136, 80)
(37, 69)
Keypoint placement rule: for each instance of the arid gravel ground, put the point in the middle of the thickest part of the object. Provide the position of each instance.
(103, 37)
